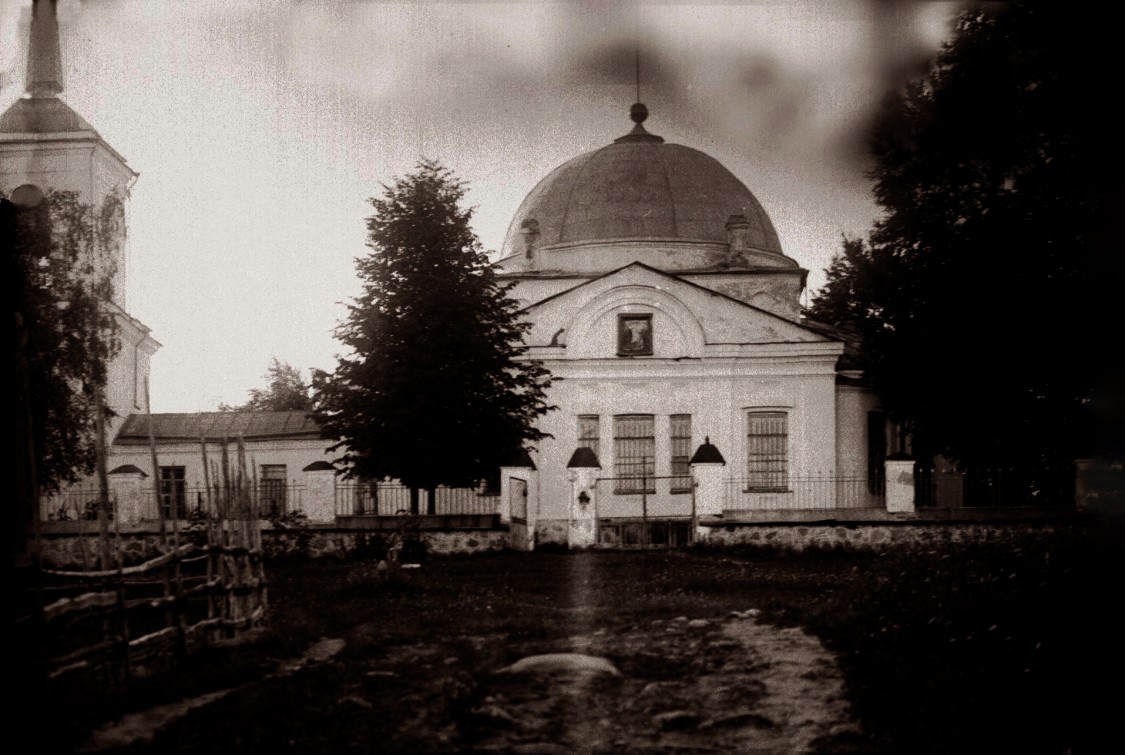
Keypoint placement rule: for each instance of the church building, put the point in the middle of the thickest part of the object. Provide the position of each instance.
(667, 311)
(689, 390)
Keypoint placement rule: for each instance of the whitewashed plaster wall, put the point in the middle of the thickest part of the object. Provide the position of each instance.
(294, 454)
(712, 358)
(128, 371)
(80, 162)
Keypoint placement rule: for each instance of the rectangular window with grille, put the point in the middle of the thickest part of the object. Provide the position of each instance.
(634, 453)
(767, 451)
(680, 432)
(173, 493)
(589, 433)
(271, 490)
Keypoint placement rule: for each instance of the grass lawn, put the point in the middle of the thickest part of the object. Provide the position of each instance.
(951, 648)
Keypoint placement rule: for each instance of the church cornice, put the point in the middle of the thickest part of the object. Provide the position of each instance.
(590, 274)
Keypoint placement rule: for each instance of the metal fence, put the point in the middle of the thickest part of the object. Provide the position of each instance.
(805, 492)
(392, 498)
(645, 510)
(645, 497)
(72, 504)
(80, 502)
(994, 487)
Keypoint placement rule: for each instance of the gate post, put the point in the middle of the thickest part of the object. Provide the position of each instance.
(320, 487)
(900, 484)
(707, 473)
(583, 469)
(126, 487)
(522, 528)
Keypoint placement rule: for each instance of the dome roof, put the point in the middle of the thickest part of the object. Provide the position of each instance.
(640, 187)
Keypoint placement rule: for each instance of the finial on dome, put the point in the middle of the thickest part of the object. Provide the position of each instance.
(638, 113)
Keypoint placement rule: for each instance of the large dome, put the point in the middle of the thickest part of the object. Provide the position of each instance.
(639, 187)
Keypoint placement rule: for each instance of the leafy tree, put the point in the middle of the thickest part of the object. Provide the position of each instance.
(61, 255)
(434, 390)
(984, 295)
(287, 390)
(60, 263)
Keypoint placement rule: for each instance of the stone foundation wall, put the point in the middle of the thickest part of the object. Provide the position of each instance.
(799, 536)
(552, 532)
(79, 551)
(72, 551)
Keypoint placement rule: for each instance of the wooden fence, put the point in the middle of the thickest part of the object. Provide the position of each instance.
(205, 586)
(132, 618)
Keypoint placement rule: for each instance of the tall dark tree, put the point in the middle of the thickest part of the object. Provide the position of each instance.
(984, 296)
(434, 390)
(286, 390)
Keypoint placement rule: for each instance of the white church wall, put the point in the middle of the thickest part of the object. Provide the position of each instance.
(294, 454)
(717, 396)
(67, 162)
(127, 373)
(777, 292)
(70, 162)
(852, 405)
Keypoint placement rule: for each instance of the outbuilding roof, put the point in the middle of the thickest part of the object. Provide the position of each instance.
(215, 426)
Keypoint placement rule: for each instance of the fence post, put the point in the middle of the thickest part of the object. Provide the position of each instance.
(521, 534)
(707, 473)
(320, 485)
(583, 469)
(126, 487)
(900, 484)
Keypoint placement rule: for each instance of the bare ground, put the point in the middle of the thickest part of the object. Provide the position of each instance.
(992, 647)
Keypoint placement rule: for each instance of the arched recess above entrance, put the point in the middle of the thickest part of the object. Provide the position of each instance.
(593, 332)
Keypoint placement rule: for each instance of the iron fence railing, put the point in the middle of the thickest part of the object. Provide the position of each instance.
(805, 492)
(72, 504)
(645, 497)
(392, 498)
(80, 502)
(994, 487)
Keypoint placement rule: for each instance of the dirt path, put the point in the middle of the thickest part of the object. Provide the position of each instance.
(140, 728)
(735, 685)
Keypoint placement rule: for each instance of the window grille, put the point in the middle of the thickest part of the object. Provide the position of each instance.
(173, 493)
(272, 489)
(589, 433)
(767, 451)
(634, 449)
(680, 432)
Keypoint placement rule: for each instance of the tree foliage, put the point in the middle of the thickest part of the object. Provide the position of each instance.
(434, 390)
(286, 390)
(984, 294)
(61, 277)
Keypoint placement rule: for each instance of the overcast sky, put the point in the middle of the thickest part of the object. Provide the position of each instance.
(259, 130)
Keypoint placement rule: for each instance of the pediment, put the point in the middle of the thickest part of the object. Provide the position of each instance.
(605, 317)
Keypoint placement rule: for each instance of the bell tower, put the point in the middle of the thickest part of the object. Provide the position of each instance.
(43, 142)
(46, 144)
